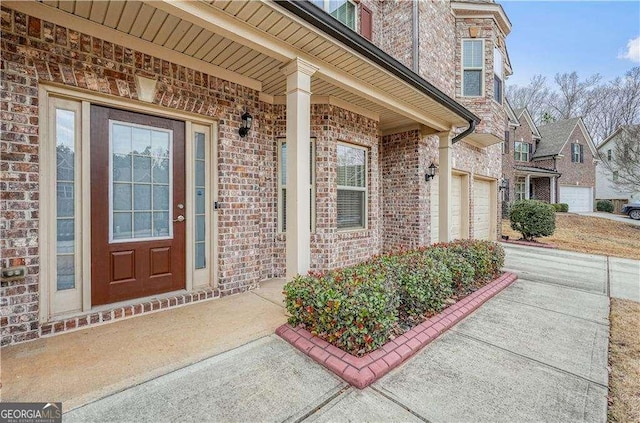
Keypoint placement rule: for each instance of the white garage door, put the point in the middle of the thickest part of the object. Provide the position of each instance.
(456, 204)
(579, 199)
(481, 209)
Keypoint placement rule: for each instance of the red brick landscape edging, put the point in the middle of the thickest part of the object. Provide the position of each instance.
(363, 371)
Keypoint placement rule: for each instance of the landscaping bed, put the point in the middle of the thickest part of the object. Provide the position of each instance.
(364, 320)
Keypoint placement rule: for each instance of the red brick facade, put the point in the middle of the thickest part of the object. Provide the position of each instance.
(250, 249)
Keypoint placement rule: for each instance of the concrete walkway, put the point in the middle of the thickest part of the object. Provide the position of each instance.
(610, 216)
(536, 352)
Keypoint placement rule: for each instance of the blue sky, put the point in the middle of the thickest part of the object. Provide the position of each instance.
(588, 37)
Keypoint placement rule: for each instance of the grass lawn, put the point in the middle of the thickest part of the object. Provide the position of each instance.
(624, 359)
(588, 234)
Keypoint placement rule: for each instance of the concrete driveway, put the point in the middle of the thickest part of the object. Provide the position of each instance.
(611, 216)
(536, 352)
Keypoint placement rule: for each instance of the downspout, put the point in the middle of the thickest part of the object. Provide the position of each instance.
(416, 35)
(460, 136)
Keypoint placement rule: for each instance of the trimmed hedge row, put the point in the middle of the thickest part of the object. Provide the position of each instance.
(561, 207)
(357, 308)
(605, 206)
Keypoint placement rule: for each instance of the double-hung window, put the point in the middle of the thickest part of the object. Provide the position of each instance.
(498, 85)
(521, 151)
(342, 10)
(609, 155)
(282, 184)
(352, 187)
(577, 155)
(472, 67)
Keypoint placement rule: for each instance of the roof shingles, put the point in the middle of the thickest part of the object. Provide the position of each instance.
(554, 136)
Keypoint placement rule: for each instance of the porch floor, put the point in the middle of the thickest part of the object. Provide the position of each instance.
(88, 364)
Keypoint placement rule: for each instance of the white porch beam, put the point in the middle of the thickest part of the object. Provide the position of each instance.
(216, 20)
(298, 244)
(444, 187)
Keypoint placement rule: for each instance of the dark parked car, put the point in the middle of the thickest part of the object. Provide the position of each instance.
(633, 210)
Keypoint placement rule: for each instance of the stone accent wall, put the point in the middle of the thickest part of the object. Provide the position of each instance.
(35, 51)
(577, 174)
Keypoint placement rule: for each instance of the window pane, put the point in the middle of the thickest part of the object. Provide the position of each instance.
(142, 169)
(161, 171)
(142, 197)
(200, 174)
(161, 224)
(200, 147)
(200, 228)
(65, 272)
(472, 53)
(200, 201)
(142, 225)
(122, 167)
(344, 11)
(351, 209)
(122, 225)
(351, 166)
(159, 144)
(283, 164)
(472, 83)
(141, 141)
(65, 132)
(200, 255)
(65, 203)
(284, 209)
(497, 89)
(161, 197)
(120, 139)
(497, 62)
(122, 197)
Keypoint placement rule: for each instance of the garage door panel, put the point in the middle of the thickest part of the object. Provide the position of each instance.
(579, 199)
(481, 209)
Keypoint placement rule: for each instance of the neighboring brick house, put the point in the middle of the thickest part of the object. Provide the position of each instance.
(156, 154)
(606, 174)
(552, 163)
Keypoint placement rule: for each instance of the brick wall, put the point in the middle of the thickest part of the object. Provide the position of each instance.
(35, 51)
(395, 34)
(437, 45)
(541, 189)
(577, 174)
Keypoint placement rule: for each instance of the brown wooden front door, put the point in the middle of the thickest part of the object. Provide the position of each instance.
(137, 205)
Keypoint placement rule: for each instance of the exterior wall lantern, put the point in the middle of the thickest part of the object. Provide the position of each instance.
(247, 120)
(504, 184)
(431, 172)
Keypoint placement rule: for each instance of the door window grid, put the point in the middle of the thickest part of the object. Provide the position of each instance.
(65, 198)
(140, 182)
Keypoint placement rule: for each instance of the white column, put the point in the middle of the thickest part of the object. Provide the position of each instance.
(444, 188)
(298, 74)
(527, 185)
(552, 185)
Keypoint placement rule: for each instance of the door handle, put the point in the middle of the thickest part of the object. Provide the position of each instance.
(180, 218)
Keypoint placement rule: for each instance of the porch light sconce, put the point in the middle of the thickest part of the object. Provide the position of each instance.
(431, 172)
(504, 184)
(247, 120)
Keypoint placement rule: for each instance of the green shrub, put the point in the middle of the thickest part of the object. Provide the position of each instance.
(605, 206)
(353, 308)
(485, 257)
(356, 308)
(462, 272)
(561, 207)
(532, 218)
(423, 283)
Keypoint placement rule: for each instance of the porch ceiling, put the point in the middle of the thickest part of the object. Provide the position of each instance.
(254, 40)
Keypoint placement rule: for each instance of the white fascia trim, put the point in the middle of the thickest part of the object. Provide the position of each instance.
(334, 101)
(495, 11)
(58, 17)
(220, 22)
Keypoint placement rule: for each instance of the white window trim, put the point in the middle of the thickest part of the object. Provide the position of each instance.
(501, 76)
(312, 186)
(364, 189)
(481, 69)
(79, 302)
(520, 152)
(356, 18)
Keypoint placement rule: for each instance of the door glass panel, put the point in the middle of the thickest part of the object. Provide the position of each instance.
(140, 182)
(65, 127)
(200, 197)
